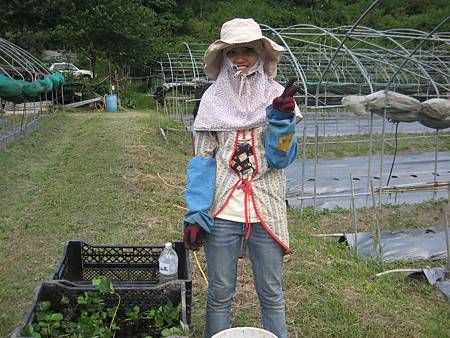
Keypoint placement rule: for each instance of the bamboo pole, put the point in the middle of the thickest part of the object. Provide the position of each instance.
(377, 239)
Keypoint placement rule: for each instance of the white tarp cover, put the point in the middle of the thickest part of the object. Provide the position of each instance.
(433, 113)
(355, 104)
(399, 107)
(438, 109)
(410, 244)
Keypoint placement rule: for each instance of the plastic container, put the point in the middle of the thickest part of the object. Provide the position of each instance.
(111, 103)
(168, 264)
(146, 297)
(244, 332)
(125, 265)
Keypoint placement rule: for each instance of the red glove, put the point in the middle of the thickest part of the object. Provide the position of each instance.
(286, 103)
(191, 239)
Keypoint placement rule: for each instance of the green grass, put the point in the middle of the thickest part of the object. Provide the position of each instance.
(111, 178)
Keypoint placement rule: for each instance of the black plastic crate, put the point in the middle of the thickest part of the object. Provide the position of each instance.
(125, 265)
(146, 297)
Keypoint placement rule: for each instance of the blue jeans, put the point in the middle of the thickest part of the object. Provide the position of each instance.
(222, 249)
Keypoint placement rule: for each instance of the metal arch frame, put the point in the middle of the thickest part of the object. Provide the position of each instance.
(162, 71)
(405, 50)
(12, 66)
(25, 60)
(194, 65)
(23, 66)
(430, 68)
(358, 36)
(170, 65)
(349, 51)
(298, 67)
(415, 49)
(342, 45)
(390, 51)
(38, 62)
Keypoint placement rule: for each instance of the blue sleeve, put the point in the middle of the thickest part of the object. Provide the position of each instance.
(200, 186)
(280, 139)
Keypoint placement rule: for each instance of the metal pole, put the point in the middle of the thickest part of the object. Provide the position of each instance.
(316, 160)
(446, 230)
(447, 240)
(380, 186)
(302, 188)
(369, 165)
(355, 226)
(435, 174)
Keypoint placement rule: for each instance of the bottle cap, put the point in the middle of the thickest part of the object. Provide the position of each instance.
(168, 245)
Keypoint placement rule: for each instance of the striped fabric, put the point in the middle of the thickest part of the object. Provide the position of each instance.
(268, 186)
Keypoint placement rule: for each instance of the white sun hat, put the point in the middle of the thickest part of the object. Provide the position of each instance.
(241, 31)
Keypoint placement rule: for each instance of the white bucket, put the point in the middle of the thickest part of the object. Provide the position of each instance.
(244, 332)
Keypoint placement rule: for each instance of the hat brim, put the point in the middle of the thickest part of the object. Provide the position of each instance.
(214, 57)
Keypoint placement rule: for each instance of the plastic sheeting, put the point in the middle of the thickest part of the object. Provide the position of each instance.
(333, 179)
(411, 244)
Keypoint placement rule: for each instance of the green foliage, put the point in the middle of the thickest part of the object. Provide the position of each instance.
(135, 33)
(129, 102)
(95, 319)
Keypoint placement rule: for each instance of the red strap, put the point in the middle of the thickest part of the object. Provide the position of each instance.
(243, 184)
(246, 186)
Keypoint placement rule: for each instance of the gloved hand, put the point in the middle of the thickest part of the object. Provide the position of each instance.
(286, 103)
(192, 234)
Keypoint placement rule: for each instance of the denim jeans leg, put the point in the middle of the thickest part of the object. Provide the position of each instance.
(267, 261)
(222, 247)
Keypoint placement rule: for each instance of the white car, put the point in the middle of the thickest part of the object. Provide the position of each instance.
(65, 67)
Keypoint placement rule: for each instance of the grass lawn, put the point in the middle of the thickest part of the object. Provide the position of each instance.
(111, 178)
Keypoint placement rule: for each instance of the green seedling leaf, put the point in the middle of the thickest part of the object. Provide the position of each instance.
(173, 331)
(104, 284)
(111, 311)
(47, 317)
(133, 313)
(44, 306)
(165, 333)
(29, 332)
(65, 300)
(56, 317)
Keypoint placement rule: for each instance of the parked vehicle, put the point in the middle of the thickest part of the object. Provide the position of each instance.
(65, 67)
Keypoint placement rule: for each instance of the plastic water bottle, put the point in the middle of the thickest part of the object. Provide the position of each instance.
(168, 264)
